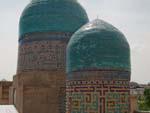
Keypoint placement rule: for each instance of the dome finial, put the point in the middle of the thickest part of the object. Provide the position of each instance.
(97, 20)
(97, 17)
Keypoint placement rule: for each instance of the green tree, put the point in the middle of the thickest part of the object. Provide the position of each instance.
(144, 101)
(147, 97)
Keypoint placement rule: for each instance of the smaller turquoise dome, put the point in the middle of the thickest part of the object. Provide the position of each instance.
(52, 16)
(98, 46)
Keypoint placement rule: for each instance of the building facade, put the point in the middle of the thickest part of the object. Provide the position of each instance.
(4, 92)
(67, 64)
(98, 67)
(44, 31)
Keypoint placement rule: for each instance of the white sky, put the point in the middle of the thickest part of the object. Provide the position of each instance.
(132, 17)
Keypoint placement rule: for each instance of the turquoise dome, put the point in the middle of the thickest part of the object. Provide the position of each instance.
(98, 46)
(52, 15)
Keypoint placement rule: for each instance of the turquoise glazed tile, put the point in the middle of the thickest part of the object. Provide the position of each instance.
(98, 46)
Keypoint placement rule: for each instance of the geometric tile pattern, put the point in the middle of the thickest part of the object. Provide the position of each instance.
(84, 102)
(117, 102)
(97, 96)
(42, 55)
(42, 51)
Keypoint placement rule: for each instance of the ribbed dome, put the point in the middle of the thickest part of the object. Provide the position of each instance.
(98, 46)
(52, 15)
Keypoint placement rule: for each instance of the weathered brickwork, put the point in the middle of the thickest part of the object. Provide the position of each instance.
(4, 92)
(93, 95)
(38, 54)
(40, 92)
(40, 84)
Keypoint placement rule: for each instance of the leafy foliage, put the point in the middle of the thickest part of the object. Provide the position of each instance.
(144, 101)
(147, 97)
